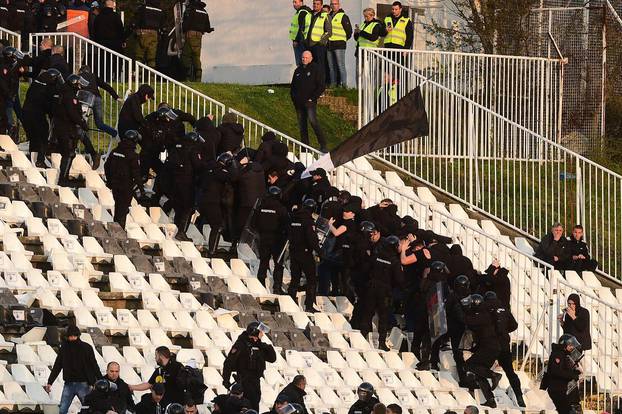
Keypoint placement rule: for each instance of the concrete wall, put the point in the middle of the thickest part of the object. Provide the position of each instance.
(250, 44)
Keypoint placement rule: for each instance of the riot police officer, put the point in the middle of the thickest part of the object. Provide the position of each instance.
(67, 121)
(123, 174)
(98, 400)
(49, 14)
(247, 358)
(367, 400)
(270, 221)
(195, 24)
(37, 109)
(455, 323)
(148, 20)
(562, 370)
(477, 318)
(9, 81)
(504, 323)
(385, 274)
(158, 133)
(303, 241)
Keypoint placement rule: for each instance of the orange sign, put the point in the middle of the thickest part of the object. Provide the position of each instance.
(78, 22)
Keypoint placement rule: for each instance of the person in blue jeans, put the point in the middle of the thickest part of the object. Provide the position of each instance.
(80, 371)
(342, 31)
(95, 82)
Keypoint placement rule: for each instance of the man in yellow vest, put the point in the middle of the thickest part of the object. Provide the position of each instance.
(370, 32)
(299, 28)
(320, 31)
(400, 32)
(342, 31)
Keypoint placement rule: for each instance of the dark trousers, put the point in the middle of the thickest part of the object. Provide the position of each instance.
(67, 146)
(309, 113)
(303, 263)
(37, 132)
(270, 246)
(580, 265)
(252, 391)
(88, 144)
(4, 119)
(183, 204)
(377, 301)
(505, 361)
(564, 401)
(479, 364)
(122, 201)
(454, 336)
(358, 306)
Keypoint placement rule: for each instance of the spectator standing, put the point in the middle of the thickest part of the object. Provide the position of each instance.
(80, 371)
(575, 321)
(400, 32)
(342, 31)
(320, 30)
(148, 20)
(195, 24)
(370, 32)
(299, 29)
(108, 28)
(306, 88)
(577, 254)
(551, 247)
(93, 13)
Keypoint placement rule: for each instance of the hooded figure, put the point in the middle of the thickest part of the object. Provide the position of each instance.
(205, 127)
(232, 134)
(131, 114)
(265, 148)
(576, 322)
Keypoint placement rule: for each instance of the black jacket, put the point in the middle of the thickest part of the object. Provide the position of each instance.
(206, 128)
(68, 115)
(77, 361)
(148, 406)
(131, 114)
(549, 247)
(268, 140)
(560, 370)
(231, 137)
(579, 327)
(59, 62)
(347, 26)
(307, 84)
(302, 236)
(173, 391)
(196, 18)
(40, 94)
(108, 29)
(271, 217)
(363, 407)
(296, 395)
(41, 62)
(498, 283)
(386, 269)
(122, 167)
(481, 323)
(95, 82)
(250, 186)
(247, 358)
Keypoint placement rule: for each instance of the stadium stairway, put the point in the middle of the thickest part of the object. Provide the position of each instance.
(132, 290)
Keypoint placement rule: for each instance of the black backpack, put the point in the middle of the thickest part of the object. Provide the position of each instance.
(191, 380)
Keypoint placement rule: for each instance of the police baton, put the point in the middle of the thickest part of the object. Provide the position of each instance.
(283, 252)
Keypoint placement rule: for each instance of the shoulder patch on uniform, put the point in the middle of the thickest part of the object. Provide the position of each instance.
(557, 360)
(5, 71)
(234, 350)
(75, 101)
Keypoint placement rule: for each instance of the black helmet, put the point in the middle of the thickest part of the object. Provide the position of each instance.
(438, 266)
(466, 302)
(569, 340)
(102, 385)
(225, 158)
(365, 391)
(55, 75)
(132, 135)
(77, 81)
(462, 282)
(254, 328)
(236, 389)
(12, 54)
(194, 137)
(393, 241)
(309, 204)
(490, 296)
(166, 113)
(477, 299)
(85, 69)
(290, 409)
(367, 227)
(175, 408)
(274, 191)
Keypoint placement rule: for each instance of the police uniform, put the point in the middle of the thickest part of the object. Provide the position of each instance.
(50, 13)
(195, 24)
(122, 177)
(247, 358)
(303, 242)
(37, 108)
(559, 372)
(363, 407)
(270, 221)
(149, 19)
(6, 94)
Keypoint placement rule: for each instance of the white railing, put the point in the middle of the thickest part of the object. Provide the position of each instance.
(110, 66)
(526, 90)
(499, 167)
(177, 94)
(14, 39)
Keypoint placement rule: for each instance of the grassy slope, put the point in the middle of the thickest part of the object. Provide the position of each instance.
(275, 110)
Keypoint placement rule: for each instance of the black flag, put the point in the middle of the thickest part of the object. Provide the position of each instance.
(404, 120)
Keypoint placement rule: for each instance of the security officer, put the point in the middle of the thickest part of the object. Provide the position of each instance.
(477, 318)
(148, 19)
(37, 109)
(320, 30)
(270, 221)
(561, 370)
(182, 163)
(303, 242)
(360, 271)
(195, 24)
(50, 13)
(342, 31)
(10, 71)
(67, 122)
(247, 358)
(370, 32)
(400, 32)
(385, 274)
(504, 324)
(123, 174)
(299, 29)
(367, 400)
(158, 133)
(99, 401)
(455, 323)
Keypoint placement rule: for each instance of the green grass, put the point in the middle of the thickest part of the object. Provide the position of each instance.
(275, 109)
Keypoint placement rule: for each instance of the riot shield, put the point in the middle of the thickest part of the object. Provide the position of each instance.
(437, 316)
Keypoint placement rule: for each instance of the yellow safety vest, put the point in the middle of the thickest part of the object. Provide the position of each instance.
(339, 33)
(293, 29)
(318, 27)
(390, 91)
(397, 36)
(368, 28)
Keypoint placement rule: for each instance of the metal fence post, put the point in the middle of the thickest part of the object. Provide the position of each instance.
(471, 151)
